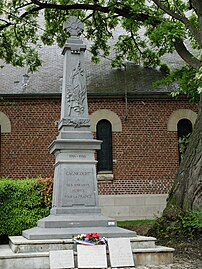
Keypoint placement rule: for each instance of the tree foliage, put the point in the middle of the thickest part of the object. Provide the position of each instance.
(169, 25)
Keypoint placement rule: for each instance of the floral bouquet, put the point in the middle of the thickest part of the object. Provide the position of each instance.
(90, 239)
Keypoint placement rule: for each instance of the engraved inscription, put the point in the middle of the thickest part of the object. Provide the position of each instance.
(79, 187)
(75, 156)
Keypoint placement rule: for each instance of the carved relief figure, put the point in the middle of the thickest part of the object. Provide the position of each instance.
(76, 91)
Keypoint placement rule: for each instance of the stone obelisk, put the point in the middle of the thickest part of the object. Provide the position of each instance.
(75, 207)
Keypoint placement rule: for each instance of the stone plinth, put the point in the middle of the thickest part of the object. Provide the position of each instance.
(34, 254)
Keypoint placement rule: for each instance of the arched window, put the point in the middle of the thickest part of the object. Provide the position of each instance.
(104, 155)
(178, 115)
(5, 127)
(184, 128)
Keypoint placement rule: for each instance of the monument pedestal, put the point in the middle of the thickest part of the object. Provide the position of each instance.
(75, 207)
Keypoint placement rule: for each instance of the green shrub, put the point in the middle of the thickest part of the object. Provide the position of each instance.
(20, 205)
(186, 224)
(192, 222)
(46, 190)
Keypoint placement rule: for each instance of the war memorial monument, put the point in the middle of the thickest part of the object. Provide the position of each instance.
(75, 207)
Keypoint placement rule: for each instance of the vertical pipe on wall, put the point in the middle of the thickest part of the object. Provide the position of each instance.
(126, 94)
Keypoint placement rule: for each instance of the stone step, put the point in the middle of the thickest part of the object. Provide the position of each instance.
(159, 255)
(38, 233)
(76, 220)
(40, 260)
(20, 244)
(142, 242)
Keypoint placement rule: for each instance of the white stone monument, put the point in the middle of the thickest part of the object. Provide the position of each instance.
(75, 206)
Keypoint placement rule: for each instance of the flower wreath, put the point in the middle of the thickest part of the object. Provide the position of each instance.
(89, 239)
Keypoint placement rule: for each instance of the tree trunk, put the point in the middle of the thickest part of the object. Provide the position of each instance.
(186, 193)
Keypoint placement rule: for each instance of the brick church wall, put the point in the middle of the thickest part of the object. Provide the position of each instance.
(145, 154)
(24, 152)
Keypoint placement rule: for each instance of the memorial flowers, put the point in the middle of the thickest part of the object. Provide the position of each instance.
(89, 239)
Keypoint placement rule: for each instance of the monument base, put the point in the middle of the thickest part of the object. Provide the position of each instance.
(34, 254)
(75, 210)
(38, 233)
(76, 221)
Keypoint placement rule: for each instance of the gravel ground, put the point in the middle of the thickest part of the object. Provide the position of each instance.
(187, 255)
(181, 264)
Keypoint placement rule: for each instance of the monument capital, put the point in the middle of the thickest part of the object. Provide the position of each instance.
(73, 26)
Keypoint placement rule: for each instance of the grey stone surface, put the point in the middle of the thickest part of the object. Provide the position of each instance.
(38, 233)
(78, 220)
(78, 190)
(61, 259)
(10, 260)
(158, 257)
(120, 252)
(130, 207)
(92, 257)
(74, 26)
(141, 242)
(20, 244)
(75, 184)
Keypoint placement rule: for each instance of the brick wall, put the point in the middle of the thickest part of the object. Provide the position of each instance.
(25, 150)
(145, 154)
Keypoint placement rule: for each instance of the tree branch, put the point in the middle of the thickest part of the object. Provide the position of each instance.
(25, 5)
(5, 25)
(197, 6)
(124, 12)
(179, 17)
(186, 55)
